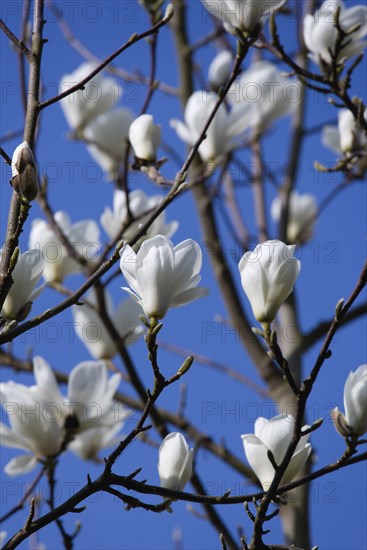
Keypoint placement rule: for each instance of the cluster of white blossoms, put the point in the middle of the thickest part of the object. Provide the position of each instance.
(271, 436)
(107, 129)
(160, 276)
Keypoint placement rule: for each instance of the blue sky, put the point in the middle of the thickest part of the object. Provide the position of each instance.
(331, 263)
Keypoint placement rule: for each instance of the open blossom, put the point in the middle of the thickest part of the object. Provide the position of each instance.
(221, 133)
(161, 275)
(99, 95)
(175, 462)
(83, 235)
(26, 275)
(145, 138)
(244, 15)
(274, 435)
(302, 214)
(92, 332)
(57, 419)
(220, 68)
(139, 203)
(321, 35)
(107, 137)
(354, 421)
(268, 275)
(262, 95)
(347, 137)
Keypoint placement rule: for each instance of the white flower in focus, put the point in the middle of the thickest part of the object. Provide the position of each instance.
(107, 136)
(139, 203)
(354, 421)
(274, 435)
(98, 96)
(40, 432)
(302, 214)
(244, 15)
(83, 235)
(347, 137)
(175, 462)
(145, 138)
(162, 276)
(268, 275)
(221, 133)
(220, 68)
(26, 274)
(263, 95)
(92, 332)
(321, 35)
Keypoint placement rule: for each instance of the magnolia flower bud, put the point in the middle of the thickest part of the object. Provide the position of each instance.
(24, 172)
(220, 68)
(321, 35)
(243, 15)
(355, 400)
(175, 462)
(340, 423)
(274, 435)
(145, 138)
(267, 276)
(161, 275)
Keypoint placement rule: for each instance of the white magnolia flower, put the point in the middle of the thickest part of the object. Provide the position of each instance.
(161, 275)
(83, 235)
(321, 35)
(220, 135)
(347, 137)
(302, 214)
(145, 138)
(355, 405)
(267, 276)
(98, 96)
(220, 68)
(139, 203)
(36, 416)
(262, 95)
(26, 274)
(42, 421)
(244, 15)
(275, 436)
(107, 136)
(175, 462)
(3, 535)
(92, 332)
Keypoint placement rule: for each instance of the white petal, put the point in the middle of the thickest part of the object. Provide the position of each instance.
(21, 464)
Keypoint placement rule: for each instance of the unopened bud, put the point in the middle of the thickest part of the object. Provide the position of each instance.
(186, 365)
(340, 423)
(24, 172)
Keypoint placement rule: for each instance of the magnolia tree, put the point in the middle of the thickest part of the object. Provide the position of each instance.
(207, 156)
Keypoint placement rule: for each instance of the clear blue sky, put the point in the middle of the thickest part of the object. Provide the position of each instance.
(330, 267)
